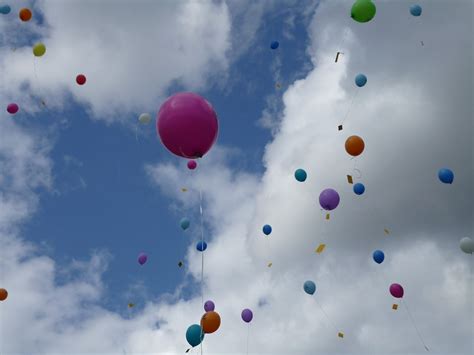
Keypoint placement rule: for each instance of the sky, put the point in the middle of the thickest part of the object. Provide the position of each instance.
(85, 188)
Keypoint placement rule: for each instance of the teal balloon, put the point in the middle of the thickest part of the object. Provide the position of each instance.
(194, 335)
(360, 80)
(5, 9)
(309, 287)
(300, 175)
(184, 223)
(415, 10)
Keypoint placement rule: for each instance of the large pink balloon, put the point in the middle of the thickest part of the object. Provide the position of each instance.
(187, 125)
(396, 290)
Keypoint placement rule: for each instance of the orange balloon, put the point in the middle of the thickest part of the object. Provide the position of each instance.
(210, 322)
(354, 145)
(3, 294)
(25, 14)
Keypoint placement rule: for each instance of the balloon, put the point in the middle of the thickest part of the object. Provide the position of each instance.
(247, 315)
(415, 10)
(39, 49)
(25, 14)
(363, 11)
(184, 223)
(309, 287)
(201, 246)
(209, 306)
(81, 79)
(3, 294)
(274, 45)
(329, 199)
(187, 125)
(192, 164)
(144, 118)
(12, 108)
(396, 290)
(360, 80)
(210, 322)
(446, 175)
(378, 256)
(467, 245)
(359, 188)
(300, 175)
(267, 229)
(354, 145)
(194, 335)
(5, 9)
(142, 258)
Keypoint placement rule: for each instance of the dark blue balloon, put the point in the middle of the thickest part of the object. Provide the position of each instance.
(360, 80)
(5, 9)
(359, 188)
(201, 246)
(267, 229)
(378, 256)
(300, 175)
(446, 175)
(274, 45)
(309, 287)
(415, 10)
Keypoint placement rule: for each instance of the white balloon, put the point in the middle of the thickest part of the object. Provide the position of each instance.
(467, 245)
(144, 118)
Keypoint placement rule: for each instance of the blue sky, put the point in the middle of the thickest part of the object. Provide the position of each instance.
(85, 188)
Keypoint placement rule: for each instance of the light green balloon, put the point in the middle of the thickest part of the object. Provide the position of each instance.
(363, 10)
(39, 49)
(144, 118)
(467, 245)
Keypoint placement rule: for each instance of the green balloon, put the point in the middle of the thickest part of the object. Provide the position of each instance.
(363, 10)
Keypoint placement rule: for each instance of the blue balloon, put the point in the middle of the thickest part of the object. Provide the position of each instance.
(360, 80)
(309, 287)
(5, 9)
(300, 175)
(267, 229)
(184, 223)
(359, 188)
(194, 335)
(274, 45)
(415, 10)
(446, 175)
(201, 246)
(378, 256)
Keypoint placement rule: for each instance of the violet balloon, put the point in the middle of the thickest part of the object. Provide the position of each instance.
(142, 258)
(12, 108)
(247, 315)
(209, 306)
(187, 125)
(329, 199)
(396, 290)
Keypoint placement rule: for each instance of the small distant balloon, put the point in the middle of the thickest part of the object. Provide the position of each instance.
(363, 11)
(309, 287)
(3, 294)
(467, 245)
(184, 223)
(354, 145)
(81, 79)
(267, 229)
(359, 188)
(446, 175)
(329, 199)
(192, 164)
(142, 258)
(247, 315)
(25, 14)
(144, 118)
(209, 306)
(360, 80)
(415, 10)
(201, 246)
(396, 290)
(210, 322)
(300, 175)
(274, 45)
(378, 256)
(39, 49)
(12, 108)
(5, 9)
(194, 335)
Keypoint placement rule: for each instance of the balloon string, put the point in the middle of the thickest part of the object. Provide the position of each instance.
(248, 335)
(414, 325)
(202, 257)
(327, 317)
(354, 95)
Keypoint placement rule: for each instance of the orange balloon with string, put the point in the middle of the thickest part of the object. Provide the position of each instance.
(210, 322)
(355, 145)
(25, 14)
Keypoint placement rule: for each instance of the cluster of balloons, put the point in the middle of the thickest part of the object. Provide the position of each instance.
(210, 322)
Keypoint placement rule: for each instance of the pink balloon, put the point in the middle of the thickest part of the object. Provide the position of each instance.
(192, 164)
(396, 290)
(12, 108)
(187, 125)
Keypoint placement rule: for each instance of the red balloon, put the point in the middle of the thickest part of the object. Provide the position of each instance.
(12, 108)
(192, 164)
(81, 79)
(187, 125)
(396, 290)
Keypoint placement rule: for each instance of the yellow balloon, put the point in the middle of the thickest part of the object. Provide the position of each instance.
(39, 49)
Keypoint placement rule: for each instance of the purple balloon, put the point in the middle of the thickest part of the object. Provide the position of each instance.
(209, 306)
(12, 108)
(396, 290)
(142, 258)
(329, 199)
(247, 315)
(187, 125)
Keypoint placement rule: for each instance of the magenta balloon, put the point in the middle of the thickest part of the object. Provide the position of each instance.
(142, 258)
(396, 290)
(12, 108)
(192, 164)
(329, 199)
(247, 315)
(187, 125)
(209, 306)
